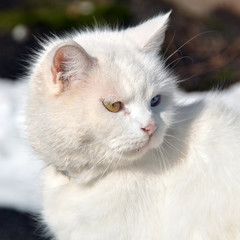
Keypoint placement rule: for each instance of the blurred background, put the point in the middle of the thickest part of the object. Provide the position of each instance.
(206, 32)
(202, 46)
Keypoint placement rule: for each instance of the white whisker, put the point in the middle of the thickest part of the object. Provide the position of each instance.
(173, 147)
(169, 45)
(176, 61)
(184, 44)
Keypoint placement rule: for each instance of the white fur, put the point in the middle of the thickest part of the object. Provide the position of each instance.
(105, 178)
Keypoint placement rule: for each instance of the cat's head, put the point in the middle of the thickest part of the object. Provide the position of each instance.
(101, 97)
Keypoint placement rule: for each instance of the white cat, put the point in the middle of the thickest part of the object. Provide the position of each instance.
(123, 161)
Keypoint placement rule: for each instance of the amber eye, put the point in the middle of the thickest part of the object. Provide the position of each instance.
(112, 107)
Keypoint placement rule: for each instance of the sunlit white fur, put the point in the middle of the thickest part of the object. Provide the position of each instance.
(105, 178)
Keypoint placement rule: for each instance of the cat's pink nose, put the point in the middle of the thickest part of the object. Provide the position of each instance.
(150, 128)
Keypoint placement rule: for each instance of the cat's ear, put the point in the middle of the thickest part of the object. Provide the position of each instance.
(149, 35)
(70, 62)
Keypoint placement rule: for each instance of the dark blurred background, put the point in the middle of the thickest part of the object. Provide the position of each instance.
(202, 44)
(204, 34)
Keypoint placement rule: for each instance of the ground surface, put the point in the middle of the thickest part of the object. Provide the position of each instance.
(15, 225)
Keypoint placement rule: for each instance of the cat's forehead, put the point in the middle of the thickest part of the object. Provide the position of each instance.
(132, 75)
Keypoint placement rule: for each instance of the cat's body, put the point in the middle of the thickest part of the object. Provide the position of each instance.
(123, 160)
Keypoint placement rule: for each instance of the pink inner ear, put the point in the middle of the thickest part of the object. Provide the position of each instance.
(59, 59)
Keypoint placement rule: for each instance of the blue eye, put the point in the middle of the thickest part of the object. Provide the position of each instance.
(155, 101)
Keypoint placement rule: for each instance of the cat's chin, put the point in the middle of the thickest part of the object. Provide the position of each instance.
(139, 152)
(134, 154)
